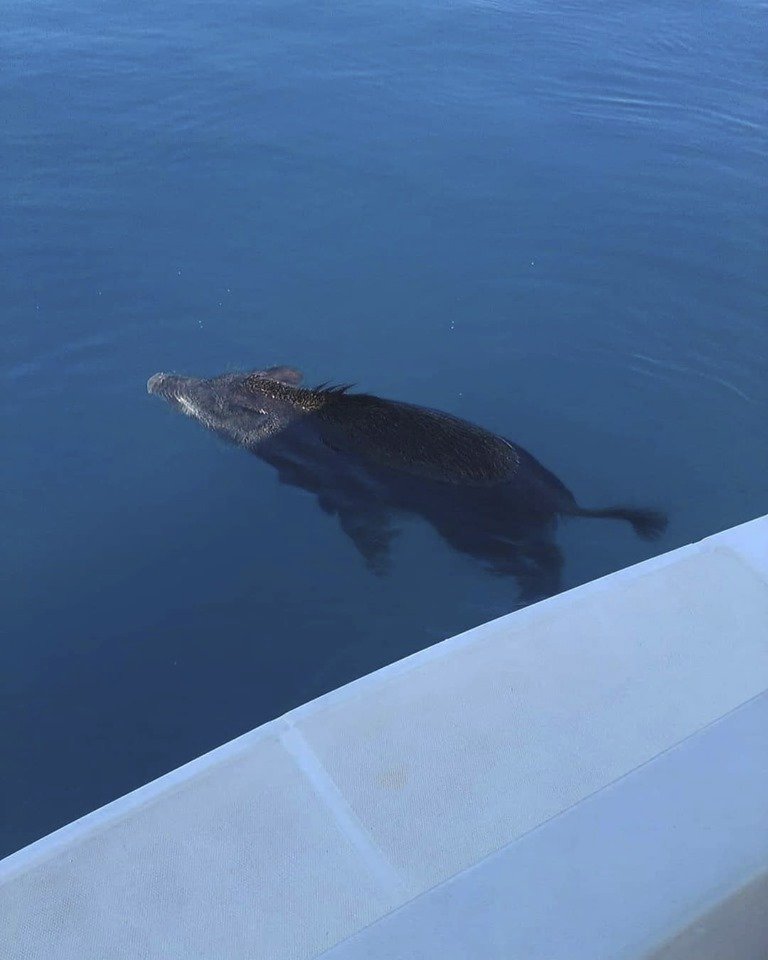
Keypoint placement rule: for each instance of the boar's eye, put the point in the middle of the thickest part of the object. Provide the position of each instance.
(246, 400)
(250, 408)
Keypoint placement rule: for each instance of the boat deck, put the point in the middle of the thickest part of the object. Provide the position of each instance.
(584, 778)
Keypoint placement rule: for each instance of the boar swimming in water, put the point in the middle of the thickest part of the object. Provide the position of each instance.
(367, 459)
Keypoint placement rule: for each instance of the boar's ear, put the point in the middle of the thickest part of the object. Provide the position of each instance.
(289, 375)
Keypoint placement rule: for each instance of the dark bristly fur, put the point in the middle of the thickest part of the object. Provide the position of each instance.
(367, 459)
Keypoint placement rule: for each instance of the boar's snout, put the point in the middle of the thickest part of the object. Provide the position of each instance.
(155, 382)
(168, 385)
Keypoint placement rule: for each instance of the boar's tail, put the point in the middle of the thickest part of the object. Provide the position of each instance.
(648, 524)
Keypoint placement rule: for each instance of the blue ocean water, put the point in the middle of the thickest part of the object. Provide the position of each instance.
(547, 218)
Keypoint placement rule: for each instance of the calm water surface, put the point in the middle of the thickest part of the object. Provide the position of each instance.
(547, 218)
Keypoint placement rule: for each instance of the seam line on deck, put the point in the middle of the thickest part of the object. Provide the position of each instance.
(346, 819)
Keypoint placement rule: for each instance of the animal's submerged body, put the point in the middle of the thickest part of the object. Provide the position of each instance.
(367, 460)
